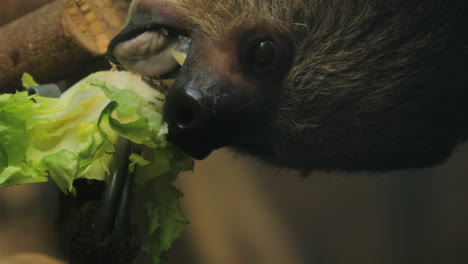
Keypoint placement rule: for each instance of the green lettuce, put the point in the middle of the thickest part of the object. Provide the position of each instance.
(73, 137)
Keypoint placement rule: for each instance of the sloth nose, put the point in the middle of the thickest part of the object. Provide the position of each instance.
(205, 113)
(185, 113)
(191, 125)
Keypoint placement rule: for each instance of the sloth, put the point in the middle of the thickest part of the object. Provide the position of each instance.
(346, 85)
(331, 85)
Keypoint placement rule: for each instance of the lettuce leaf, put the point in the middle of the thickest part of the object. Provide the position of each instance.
(28, 81)
(73, 137)
(166, 220)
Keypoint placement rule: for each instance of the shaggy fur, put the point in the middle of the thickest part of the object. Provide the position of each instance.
(375, 85)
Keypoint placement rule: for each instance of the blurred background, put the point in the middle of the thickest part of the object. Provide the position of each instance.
(244, 212)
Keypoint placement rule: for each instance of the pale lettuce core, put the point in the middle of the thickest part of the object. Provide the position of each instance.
(73, 137)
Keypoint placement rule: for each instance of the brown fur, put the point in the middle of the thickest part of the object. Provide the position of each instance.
(378, 86)
(375, 84)
(232, 15)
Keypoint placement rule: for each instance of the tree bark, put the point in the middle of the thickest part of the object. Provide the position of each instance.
(58, 41)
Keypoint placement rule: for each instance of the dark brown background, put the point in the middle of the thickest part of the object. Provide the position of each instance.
(11, 9)
(244, 212)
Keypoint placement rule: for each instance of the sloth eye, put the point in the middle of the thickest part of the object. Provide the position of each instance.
(266, 57)
(259, 56)
(264, 53)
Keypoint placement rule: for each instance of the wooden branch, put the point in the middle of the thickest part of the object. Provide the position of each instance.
(58, 40)
(29, 258)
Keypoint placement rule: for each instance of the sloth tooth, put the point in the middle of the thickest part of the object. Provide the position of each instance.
(179, 56)
(181, 51)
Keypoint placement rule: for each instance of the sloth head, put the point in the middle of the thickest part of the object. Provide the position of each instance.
(307, 84)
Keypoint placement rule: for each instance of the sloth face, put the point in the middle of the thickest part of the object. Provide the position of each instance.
(307, 84)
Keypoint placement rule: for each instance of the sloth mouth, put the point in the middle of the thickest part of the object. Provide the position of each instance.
(156, 54)
(159, 56)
